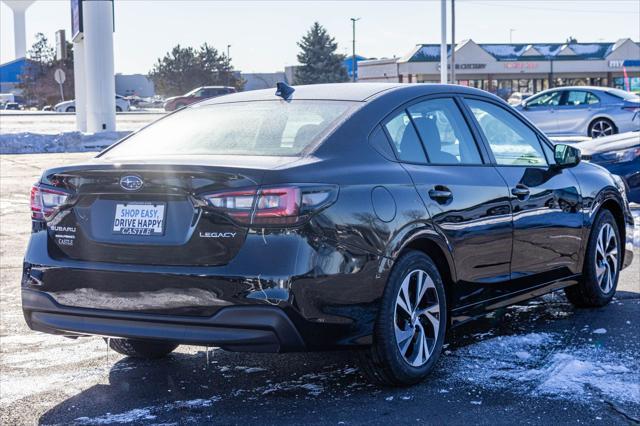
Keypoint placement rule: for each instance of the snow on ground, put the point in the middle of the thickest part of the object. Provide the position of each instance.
(23, 143)
(147, 413)
(539, 364)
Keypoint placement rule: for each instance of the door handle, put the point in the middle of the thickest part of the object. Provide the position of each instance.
(440, 194)
(521, 191)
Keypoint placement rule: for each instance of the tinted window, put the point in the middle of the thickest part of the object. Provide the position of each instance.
(246, 128)
(511, 141)
(405, 139)
(444, 133)
(546, 99)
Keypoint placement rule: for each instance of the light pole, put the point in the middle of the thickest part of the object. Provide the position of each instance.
(453, 41)
(354, 63)
(443, 42)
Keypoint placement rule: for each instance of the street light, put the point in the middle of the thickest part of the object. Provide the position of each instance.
(229, 62)
(353, 58)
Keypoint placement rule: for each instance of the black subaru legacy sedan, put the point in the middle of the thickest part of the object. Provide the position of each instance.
(362, 216)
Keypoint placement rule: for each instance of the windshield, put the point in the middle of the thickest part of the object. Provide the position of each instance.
(627, 96)
(245, 128)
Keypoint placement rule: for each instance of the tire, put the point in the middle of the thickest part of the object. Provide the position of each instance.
(600, 274)
(602, 127)
(118, 109)
(71, 109)
(142, 348)
(385, 362)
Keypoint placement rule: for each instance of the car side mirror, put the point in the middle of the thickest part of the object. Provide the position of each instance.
(524, 105)
(566, 156)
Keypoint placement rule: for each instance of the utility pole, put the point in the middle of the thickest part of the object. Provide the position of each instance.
(354, 63)
(453, 41)
(443, 41)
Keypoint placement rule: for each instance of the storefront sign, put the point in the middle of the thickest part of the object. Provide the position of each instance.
(465, 66)
(521, 65)
(616, 64)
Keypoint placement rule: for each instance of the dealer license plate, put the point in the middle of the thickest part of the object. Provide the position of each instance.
(139, 219)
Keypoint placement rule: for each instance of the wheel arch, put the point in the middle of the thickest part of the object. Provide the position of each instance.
(601, 117)
(436, 247)
(608, 201)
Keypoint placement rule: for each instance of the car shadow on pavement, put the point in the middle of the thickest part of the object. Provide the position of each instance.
(226, 387)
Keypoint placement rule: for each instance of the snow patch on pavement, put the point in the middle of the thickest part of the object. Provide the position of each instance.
(539, 364)
(146, 413)
(23, 143)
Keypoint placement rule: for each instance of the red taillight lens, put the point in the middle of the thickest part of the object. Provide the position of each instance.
(288, 205)
(277, 206)
(45, 201)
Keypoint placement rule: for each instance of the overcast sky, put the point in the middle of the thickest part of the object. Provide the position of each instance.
(263, 35)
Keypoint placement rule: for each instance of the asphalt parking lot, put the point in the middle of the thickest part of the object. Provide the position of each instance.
(538, 363)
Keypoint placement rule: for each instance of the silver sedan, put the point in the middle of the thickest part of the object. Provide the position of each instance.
(583, 111)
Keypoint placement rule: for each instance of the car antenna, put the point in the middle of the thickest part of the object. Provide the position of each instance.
(284, 90)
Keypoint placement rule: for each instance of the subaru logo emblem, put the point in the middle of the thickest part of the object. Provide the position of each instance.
(131, 183)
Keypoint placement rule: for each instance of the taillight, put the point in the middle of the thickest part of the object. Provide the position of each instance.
(45, 202)
(631, 108)
(272, 206)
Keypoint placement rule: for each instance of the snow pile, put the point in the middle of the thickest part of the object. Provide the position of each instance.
(539, 364)
(23, 143)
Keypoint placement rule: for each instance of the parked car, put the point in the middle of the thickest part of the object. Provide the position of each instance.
(620, 154)
(583, 111)
(11, 106)
(196, 95)
(366, 216)
(70, 106)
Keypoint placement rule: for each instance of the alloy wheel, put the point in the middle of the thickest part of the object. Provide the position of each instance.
(606, 258)
(417, 318)
(601, 128)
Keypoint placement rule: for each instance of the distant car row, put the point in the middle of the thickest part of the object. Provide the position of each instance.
(583, 111)
(70, 106)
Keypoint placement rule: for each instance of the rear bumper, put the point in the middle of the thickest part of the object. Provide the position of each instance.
(235, 328)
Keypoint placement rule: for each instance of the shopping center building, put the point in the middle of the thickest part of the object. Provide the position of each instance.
(524, 68)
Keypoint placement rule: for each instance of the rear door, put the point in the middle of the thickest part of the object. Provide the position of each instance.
(466, 197)
(575, 111)
(546, 201)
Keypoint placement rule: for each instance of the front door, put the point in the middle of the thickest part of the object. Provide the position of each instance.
(542, 111)
(545, 200)
(466, 197)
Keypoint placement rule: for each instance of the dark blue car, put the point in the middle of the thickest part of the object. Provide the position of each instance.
(620, 154)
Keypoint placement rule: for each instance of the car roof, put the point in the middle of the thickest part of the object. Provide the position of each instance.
(357, 92)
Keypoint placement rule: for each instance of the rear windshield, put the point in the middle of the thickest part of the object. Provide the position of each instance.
(628, 96)
(245, 128)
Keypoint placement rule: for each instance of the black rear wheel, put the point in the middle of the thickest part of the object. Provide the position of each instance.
(601, 265)
(142, 348)
(411, 324)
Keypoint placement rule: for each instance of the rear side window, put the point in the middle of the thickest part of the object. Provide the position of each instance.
(245, 128)
(444, 133)
(512, 142)
(405, 139)
(579, 97)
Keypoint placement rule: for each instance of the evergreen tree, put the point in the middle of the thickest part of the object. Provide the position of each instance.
(319, 62)
(185, 68)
